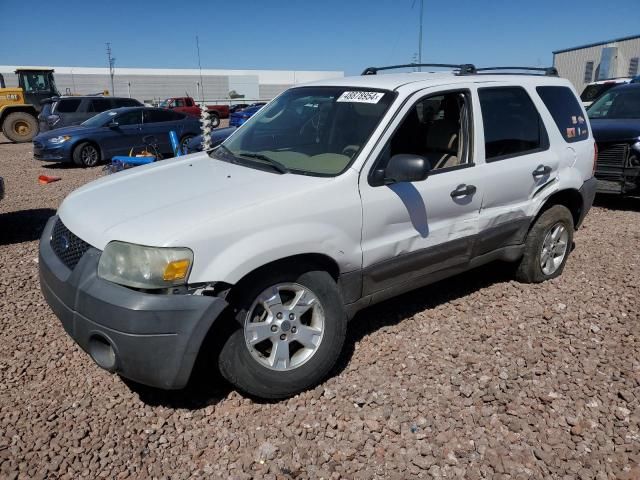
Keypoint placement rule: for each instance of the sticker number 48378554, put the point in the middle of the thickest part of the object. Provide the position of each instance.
(360, 96)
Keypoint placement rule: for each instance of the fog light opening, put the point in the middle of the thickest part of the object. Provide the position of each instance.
(102, 352)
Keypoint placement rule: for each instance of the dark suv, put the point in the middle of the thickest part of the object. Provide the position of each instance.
(64, 111)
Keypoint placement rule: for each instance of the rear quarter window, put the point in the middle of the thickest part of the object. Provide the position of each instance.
(68, 106)
(566, 112)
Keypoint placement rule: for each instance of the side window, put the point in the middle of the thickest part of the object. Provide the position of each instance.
(566, 112)
(100, 105)
(68, 105)
(179, 102)
(129, 118)
(512, 125)
(436, 128)
(155, 116)
(125, 102)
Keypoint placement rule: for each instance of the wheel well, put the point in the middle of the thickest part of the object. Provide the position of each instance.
(296, 263)
(570, 199)
(92, 142)
(21, 108)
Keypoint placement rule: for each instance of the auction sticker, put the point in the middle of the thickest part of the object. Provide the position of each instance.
(360, 97)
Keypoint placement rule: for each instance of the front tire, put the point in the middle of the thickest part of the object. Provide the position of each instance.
(20, 127)
(547, 247)
(289, 334)
(86, 155)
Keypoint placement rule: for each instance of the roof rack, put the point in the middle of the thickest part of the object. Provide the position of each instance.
(464, 69)
(547, 71)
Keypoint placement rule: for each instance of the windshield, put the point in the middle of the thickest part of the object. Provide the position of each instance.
(164, 103)
(618, 103)
(309, 130)
(101, 119)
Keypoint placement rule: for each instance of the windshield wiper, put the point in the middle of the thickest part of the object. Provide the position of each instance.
(259, 156)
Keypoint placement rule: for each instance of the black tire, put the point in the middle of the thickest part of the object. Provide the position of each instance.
(248, 375)
(20, 127)
(215, 119)
(86, 154)
(530, 268)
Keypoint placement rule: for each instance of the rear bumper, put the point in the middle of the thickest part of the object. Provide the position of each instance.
(588, 193)
(152, 339)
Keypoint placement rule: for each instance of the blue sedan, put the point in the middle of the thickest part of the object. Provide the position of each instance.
(237, 118)
(114, 132)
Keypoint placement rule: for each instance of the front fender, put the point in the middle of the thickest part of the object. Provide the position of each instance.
(265, 246)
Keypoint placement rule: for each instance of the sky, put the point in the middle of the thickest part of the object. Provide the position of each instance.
(346, 35)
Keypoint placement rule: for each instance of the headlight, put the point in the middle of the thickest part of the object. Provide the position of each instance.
(60, 139)
(138, 266)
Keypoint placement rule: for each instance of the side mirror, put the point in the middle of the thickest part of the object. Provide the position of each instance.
(113, 124)
(405, 167)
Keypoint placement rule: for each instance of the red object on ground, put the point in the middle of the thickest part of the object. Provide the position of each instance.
(44, 179)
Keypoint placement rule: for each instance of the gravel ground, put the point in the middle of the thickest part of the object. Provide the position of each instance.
(475, 377)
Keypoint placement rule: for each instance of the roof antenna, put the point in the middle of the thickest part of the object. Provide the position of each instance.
(420, 31)
(200, 68)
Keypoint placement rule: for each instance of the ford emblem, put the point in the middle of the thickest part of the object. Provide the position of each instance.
(63, 243)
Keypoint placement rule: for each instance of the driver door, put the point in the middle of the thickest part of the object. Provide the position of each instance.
(120, 139)
(416, 231)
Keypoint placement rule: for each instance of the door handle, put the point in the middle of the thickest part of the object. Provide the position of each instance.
(463, 191)
(541, 171)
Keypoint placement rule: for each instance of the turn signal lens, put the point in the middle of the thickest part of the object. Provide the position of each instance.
(176, 270)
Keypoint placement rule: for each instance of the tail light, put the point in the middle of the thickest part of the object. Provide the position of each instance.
(595, 157)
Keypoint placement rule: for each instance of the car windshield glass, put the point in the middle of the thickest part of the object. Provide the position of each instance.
(309, 130)
(164, 104)
(101, 119)
(618, 103)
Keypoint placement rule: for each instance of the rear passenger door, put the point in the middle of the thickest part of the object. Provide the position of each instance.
(159, 123)
(518, 164)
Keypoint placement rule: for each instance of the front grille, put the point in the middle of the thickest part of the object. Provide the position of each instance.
(613, 155)
(67, 246)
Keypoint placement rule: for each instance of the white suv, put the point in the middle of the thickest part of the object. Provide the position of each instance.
(335, 196)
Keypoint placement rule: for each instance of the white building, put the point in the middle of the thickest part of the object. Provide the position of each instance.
(147, 84)
(599, 61)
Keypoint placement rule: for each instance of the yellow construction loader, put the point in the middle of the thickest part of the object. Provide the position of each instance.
(20, 106)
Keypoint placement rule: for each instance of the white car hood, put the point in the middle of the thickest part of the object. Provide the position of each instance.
(159, 204)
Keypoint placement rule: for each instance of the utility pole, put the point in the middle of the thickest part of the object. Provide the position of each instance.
(200, 68)
(420, 35)
(112, 67)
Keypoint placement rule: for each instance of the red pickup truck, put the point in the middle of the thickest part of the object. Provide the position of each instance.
(188, 106)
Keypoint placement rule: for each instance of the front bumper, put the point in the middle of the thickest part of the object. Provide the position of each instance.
(152, 339)
(588, 193)
(54, 153)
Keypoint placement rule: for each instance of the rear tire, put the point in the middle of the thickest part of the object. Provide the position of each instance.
(20, 127)
(310, 337)
(86, 155)
(215, 119)
(547, 247)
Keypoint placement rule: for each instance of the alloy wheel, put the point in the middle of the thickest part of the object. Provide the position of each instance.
(284, 326)
(554, 249)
